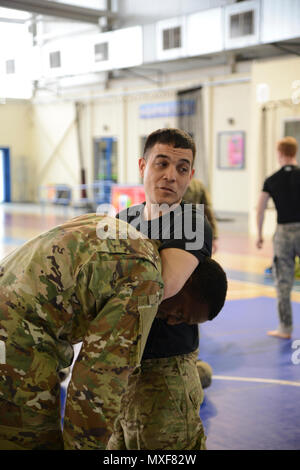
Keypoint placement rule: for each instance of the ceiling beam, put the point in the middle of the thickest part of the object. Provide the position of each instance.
(60, 10)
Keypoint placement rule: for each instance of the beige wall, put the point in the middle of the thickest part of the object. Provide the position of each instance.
(279, 75)
(43, 138)
(54, 143)
(51, 138)
(16, 134)
(230, 188)
(138, 128)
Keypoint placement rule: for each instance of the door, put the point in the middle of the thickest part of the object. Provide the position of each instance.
(4, 174)
(105, 168)
(292, 129)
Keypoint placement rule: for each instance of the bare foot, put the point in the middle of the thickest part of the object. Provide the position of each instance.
(278, 334)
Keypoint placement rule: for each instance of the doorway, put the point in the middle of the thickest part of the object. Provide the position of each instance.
(5, 195)
(105, 168)
(292, 129)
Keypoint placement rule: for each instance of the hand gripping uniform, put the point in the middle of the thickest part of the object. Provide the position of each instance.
(160, 409)
(78, 282)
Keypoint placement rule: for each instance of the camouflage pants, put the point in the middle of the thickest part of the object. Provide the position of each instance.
(160, 409)
(22, 429)
(29, 400)
(286, 244)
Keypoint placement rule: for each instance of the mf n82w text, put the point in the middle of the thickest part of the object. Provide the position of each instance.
(171, 459)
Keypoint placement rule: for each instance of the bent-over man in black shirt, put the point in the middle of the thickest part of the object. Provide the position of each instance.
(284, 188)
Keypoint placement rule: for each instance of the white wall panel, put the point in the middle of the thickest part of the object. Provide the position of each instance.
(280, 20)
(205, 32)
(17, 49)
(96, 4)
(127, 47)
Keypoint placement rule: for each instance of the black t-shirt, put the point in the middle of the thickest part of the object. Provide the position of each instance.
(175, 231)
(284, 188)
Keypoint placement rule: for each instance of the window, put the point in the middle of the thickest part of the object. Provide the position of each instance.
(10, 66)
(242, 24)
(101, 51)
(55, 59)
(172, 38)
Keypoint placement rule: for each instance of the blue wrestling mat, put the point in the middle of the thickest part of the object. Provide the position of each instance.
(253, 402)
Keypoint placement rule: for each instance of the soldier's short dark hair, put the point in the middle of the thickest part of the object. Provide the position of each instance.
(208, 284)
(177, 138)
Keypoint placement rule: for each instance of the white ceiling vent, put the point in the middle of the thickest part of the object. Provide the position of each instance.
(10, 66)
(101, 51)
(242, 24)
(171, 38)
(55, 59)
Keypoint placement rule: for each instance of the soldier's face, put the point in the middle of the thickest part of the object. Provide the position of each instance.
(166, 172)
(182, 308)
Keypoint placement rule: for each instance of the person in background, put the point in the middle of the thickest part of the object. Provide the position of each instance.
(283, 187)
(197, 193)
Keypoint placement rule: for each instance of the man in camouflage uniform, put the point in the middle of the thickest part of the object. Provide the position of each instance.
(197, 193)
(73, 284)
(283, 187)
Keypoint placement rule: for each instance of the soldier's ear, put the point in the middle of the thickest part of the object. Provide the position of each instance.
(142, 166)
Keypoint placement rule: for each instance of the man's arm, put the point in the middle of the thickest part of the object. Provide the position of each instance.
(260, 214)
(177, 266)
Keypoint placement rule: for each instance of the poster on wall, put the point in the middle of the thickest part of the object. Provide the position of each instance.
(123, 196)
(231, 150)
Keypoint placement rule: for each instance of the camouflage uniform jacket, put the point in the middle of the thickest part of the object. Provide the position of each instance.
(68, 285)
(196, 193)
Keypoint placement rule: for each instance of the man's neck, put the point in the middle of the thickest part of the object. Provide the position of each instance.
(288, 161)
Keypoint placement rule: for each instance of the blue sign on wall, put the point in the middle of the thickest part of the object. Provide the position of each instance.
(167, 109)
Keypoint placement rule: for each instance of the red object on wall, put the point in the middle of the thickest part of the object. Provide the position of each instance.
(123, 196)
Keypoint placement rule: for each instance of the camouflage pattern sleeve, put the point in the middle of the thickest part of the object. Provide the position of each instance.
(112, 344)
(208, 210)
(196, 193)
